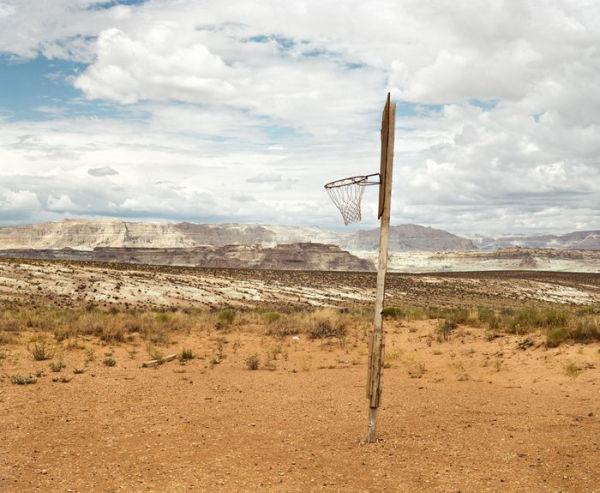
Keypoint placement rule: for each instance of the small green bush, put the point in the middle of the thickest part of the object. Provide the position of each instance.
(186, 355)
(488, 317)
(271, 317)
(393, 312)
(57, 366)
(41, 350)
(586, 330)
(226, 316)
(252, 362)
(572, 369)
(556, 336)
(22, 380)
(155, 353)
(109, 362)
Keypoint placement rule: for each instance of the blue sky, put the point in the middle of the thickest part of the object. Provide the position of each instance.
(34, 86)
(239, 112)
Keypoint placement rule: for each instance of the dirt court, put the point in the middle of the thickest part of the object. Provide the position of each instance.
(471, 413)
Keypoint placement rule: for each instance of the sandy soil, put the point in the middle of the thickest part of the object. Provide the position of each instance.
(463, 415)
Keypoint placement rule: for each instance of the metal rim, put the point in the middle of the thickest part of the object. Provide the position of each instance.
(361, 180)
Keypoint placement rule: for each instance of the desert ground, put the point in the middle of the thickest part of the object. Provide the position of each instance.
(491, 380)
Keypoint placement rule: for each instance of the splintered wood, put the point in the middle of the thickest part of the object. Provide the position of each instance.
(156, 362)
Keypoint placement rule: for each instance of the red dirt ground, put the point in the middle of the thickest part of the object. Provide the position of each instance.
(464, 415)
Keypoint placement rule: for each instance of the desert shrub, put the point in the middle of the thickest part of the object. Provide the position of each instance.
(41, 350)
(552, 317)
(57, 366)
(112, 333)
(186, 355)
(555, 336)
(273, 352)
(445, 328)
(572, 369)
(22, 380)
(271, 317)
(62, 333)
(583, 311)
(155, 353)
(63, 379)
(90, 354)
(281, 330)
(528, 319)
(416, 369)
(325, 328)
(9, 324)
(109, 362)
(226, 316)
(488, 317)
(461, 315)
(252, 362)
(393, 312)
(408, 313)
(586, 330)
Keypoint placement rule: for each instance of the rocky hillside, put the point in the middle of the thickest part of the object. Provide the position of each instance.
(89, 234)
(296, 256)
(578, 240)
(407, 237)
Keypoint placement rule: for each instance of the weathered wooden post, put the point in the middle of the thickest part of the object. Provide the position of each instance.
(377, 339)
(347, 194)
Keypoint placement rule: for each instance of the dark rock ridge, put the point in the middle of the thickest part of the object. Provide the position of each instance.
(296, 256)
(525, 253)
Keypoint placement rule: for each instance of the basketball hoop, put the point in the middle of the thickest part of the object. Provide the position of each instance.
(347, 194)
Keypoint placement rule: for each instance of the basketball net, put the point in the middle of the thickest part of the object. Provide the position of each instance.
(347, 195)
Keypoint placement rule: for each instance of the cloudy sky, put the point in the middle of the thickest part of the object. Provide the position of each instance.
(240, 111)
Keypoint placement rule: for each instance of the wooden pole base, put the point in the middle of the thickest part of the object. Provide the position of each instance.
(372, 427)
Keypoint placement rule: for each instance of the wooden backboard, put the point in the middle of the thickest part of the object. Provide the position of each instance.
(385, 164)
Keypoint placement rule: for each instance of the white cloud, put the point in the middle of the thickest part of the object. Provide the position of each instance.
(242, 197)
(164, 64)
(17, 204)
(60, 204)
(6, 10)
(104, 171)
(264, 178)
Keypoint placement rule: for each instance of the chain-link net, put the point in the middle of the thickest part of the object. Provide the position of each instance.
(347, 194)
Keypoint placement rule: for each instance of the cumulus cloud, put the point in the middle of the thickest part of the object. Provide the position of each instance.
(60, 204)
(17, 204)
(164, 64)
